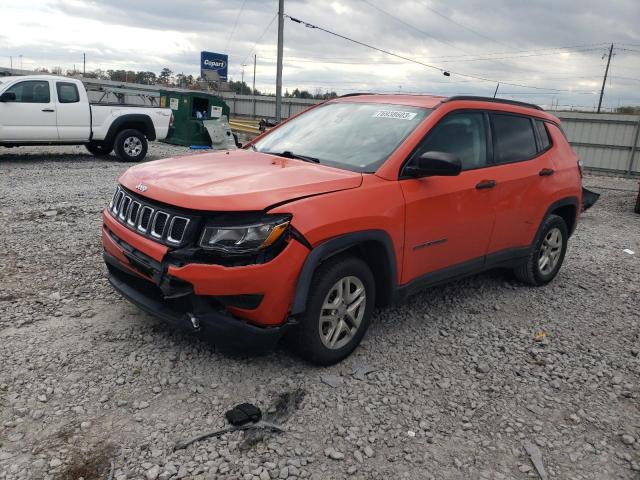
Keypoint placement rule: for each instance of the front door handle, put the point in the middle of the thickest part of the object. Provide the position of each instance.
(545, 172)
(484, 184)
(48, 110)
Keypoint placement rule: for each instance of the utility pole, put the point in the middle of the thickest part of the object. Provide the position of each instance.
(255, 59)
(11, 63)
(253, 91)
(604, 81)
(242, 79)
(279, 65)
(84, 64)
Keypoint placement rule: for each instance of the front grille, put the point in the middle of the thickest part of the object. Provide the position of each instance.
(148, 219)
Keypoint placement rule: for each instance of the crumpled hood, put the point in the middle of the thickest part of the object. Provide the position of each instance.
(239, 180)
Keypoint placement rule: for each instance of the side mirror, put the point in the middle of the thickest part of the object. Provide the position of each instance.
(8, 97)
(434, 164)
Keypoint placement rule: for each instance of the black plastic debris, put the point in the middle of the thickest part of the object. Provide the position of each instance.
(589, 198)
(243, 414)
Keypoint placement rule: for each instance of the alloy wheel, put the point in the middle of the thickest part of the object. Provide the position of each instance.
(132, 146)
(550, 251)
(342, 312)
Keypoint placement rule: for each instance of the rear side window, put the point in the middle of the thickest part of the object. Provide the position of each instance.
(543, 135)
(67, 92)
(513, 138)
(461, 134)
(31, 91)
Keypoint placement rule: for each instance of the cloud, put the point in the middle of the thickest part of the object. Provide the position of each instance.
(467, 37)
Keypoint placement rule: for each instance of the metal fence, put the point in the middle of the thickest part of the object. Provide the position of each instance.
(605, 142)
(265, 106)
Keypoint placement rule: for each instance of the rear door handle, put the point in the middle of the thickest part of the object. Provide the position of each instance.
(545, 172)
(484, 184)
(48, 110)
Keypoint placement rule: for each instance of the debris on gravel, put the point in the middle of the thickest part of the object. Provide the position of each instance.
(92, 387)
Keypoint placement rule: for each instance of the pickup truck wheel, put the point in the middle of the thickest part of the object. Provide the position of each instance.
(131, 145)
(99, 149)
(547, 254)
(338, 311)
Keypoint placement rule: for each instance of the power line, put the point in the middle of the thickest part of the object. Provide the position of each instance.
(372, 62)
(463, 26)
(235, 25)
(260, 37)
(628, 49)
(411, 26)
(434, 67)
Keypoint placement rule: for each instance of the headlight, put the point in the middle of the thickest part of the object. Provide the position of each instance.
(244, 238)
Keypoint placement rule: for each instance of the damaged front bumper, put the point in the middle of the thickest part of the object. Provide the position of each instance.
(193, 313)
(241, 306)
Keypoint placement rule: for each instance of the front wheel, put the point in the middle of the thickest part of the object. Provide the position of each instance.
(339, 309)
(547, 254)
(131, 145)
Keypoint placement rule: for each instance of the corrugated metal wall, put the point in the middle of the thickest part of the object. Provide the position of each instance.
(265, 106)
(604, 141)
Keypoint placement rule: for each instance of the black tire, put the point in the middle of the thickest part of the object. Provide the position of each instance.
(99, 149)
(530, 271)
(131, 145)
(307, 339)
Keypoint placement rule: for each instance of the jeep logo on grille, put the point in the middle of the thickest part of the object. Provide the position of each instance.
(141, 187)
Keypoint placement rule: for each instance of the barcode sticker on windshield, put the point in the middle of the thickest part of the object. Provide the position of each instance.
(397, 114)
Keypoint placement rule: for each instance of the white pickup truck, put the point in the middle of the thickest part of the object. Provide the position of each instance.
(52, 110)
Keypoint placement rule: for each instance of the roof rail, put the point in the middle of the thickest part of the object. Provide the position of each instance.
(355, 94)
(492, 100)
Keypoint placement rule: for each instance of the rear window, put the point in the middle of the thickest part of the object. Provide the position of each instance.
(513, 138)
(543, 135)
(67, 92)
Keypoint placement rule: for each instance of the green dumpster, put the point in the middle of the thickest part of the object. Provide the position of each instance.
(190, 108)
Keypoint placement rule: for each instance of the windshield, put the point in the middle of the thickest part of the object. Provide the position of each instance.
(354, 136)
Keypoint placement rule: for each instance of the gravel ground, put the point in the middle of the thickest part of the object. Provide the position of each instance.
(449, 385)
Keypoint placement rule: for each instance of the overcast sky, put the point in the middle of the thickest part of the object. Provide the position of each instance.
(512, 41)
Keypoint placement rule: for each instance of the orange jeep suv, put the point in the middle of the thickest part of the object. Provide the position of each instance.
(352, 204)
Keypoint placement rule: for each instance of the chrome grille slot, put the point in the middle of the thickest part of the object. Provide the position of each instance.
(167, 226)
(159, 224)
(118, 201)
(132, 218)
(145, 218)
(177, 229)
(126, 203)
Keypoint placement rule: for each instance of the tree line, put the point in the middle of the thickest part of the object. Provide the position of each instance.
(168, 78)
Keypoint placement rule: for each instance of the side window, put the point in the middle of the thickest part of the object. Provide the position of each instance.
(462, 134)
(67, 92)
(543, 135)
(513, 138)
(31, 91)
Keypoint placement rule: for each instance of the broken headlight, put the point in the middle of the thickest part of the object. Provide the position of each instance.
(246, 238)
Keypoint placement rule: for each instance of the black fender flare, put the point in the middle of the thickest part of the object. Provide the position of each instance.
(117, 126)
(563, 202)
(332, 247)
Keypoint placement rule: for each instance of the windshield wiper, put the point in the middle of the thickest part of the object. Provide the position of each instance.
(290, 154)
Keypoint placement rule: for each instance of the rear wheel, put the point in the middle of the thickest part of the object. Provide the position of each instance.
(131, 145)
(339, 309)
(99, 149)
(547, 254)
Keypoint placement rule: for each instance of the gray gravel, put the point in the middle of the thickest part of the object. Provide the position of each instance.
(450, 385)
